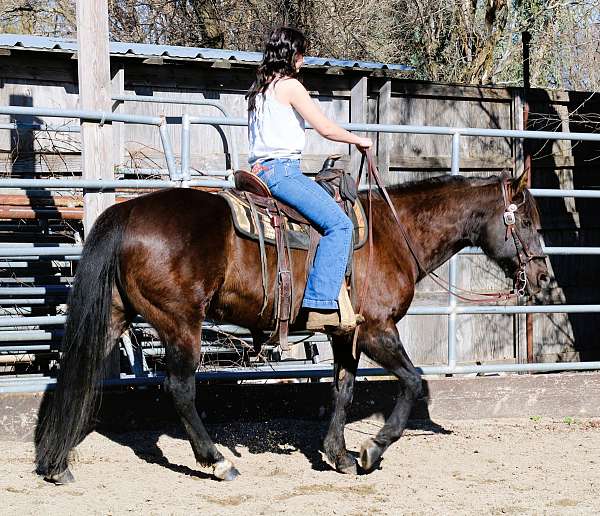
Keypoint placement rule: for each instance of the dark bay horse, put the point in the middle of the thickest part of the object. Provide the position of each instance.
(174, 258)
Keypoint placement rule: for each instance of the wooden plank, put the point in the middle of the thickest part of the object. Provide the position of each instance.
(40, 67)
(449, 91)
(118, 128)
(358, 115)
(444, 162)
(384, 140)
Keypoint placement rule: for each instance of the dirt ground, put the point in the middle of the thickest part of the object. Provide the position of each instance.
(524, 466)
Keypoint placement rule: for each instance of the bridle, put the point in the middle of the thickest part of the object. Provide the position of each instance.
(524, 255)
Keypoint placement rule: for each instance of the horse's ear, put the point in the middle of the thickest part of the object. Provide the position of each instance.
(521, 182)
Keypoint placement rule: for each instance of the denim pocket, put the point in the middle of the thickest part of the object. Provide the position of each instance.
(276, 171)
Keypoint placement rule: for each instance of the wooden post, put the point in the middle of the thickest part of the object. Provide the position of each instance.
(93, 65)
(385, 139)
(358, 115)
(94, 94)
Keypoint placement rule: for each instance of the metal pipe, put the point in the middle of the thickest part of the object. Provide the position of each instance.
(415, 129)
(41, 127)
(200, 102)
(74, 252)
(185, 147)
(26, 348)
(416, 310)
(504, 310)
(68, 253)
(544, 192)
(98, 116)
(555, 250)
(453, 265)
(26, 302)
(40, 384)
(166, 143)
(29, 336)
(169, 100)
(584, 194)
(33, 291)
(102, 116)
(100, 184)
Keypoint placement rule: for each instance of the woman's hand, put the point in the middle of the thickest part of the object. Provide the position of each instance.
(364, 144)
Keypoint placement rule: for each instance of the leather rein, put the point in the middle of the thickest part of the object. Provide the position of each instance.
(510, 208)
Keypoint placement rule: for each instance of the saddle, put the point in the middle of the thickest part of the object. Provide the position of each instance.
(259, 216)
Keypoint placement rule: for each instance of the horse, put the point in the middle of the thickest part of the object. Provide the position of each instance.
(174, 257)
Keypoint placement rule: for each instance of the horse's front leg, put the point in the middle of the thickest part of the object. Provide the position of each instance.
(345, 366)
(387, 350)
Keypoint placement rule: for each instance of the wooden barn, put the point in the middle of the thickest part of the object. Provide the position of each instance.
(42, 72)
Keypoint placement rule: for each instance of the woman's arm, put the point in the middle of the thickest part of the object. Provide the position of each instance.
(291, 91)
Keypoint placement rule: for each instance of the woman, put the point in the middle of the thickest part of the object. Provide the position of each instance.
(278, 105)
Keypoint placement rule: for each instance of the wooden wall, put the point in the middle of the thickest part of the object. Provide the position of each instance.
(49, 80)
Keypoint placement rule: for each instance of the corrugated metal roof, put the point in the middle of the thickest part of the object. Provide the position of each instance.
(210, 54)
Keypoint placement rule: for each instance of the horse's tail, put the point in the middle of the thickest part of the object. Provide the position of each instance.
(64, 417)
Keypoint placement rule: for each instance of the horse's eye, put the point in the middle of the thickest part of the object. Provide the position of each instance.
(526, 223)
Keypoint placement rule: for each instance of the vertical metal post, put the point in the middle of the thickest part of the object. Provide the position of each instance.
(168, 150)
(453, 265)
(185, 147)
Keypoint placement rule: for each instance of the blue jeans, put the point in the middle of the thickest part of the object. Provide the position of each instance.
(289, 185)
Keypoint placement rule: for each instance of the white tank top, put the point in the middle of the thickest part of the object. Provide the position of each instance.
(274, 129)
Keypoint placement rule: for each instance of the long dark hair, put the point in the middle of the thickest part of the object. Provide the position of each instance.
(281, 50)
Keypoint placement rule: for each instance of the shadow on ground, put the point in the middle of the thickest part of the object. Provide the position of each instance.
(274, 418)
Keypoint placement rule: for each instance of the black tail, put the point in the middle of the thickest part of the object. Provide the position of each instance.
(65, 415)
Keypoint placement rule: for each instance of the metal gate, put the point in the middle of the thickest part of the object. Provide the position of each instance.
(180, 176)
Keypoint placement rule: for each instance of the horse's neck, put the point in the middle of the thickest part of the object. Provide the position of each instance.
(446, 222)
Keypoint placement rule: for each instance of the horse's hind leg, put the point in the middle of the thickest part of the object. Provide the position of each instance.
(183, 356)
(345, 373)
(387, 350)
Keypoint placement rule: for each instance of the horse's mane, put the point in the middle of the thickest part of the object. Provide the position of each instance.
(437, 182)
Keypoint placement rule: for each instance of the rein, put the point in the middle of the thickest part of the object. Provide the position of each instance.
(523, 253)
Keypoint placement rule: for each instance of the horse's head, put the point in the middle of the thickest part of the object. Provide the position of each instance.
(510, 236)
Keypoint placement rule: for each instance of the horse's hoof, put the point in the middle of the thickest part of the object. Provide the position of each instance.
(370, 455)
(64, 477)
(225, 470)
(351, 469)
(347, 465)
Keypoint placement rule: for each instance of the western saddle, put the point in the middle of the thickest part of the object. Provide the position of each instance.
(252, 195)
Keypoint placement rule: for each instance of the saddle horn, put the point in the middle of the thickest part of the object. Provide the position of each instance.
(330, 161)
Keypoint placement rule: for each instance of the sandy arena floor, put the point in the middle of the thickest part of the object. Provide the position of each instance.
(525, 466)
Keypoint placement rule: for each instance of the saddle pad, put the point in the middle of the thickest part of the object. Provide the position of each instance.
(297, 234)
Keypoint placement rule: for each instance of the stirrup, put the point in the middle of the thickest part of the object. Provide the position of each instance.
(322, 322)
(348, 319)
(340, 323)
